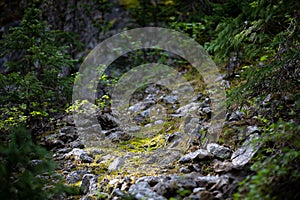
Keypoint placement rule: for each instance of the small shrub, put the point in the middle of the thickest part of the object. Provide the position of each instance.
(33, 88)
(276, 169)
(27, 170)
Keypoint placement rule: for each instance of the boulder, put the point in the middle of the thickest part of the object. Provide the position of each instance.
(67, 134)
(142, 190)
(224, 166)
(88, 183)
(244, 154)
(171, 99)
(118, 136)
(116, 164)
(75, 176)
(196, 155)
(219, 151)
(107, 121)
(79, 155)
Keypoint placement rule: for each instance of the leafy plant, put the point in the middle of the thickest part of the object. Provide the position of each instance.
(265, 37)
(33, 88)
(276, 169)
(27, 170)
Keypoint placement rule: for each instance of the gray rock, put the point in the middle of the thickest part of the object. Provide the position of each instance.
(77, 144)
(146, 113)
(174, 183)
(107, 121)
(184, 170)
(252, 129)
(69, 166)
(79, 155)
(118, 136)
(96, 151)
(73, 177)
(51, 142)
(243, 135)
(192, 125)
(158, 122)
(137, 107)
(225, 84)
(217, 194)
(224, 180)
(199, 154)
(142, 190)
(196, 167)
(162, 188)
(198, 189)
(86, 159)
(125, 186)
(119, 193)
(171, 137)
(110, 131)
(185, 181)
(198, 97)
(142, 117)
(204, 180)
(90, 134)
(244, 154)
(66, 120)
(150, 100)
(170, 99)
(148, 125)
(116, 164)
(106, 158)
(64, 150)
(203, 195)
(189, 108)
(134, 129)
(151, 89)
(67, 134)
(153, 180)
(224, 166)
(267, 100)
(89, 183)
(212, 182)
(235, 116)
(167, 156)
(114, 181)
(219, 151)
(85, 123)
(207, 110)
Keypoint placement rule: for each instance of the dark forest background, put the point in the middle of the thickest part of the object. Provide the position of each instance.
(255, 44)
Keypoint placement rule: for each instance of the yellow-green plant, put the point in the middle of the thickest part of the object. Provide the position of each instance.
(32, 88)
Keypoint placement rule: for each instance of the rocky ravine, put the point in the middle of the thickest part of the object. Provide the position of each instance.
(160, 163)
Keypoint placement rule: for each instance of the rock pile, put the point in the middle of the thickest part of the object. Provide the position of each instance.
(178, 167)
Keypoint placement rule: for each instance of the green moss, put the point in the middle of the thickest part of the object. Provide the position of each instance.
(142, 144)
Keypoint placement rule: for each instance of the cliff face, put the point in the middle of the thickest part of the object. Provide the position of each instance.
(92, 21)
